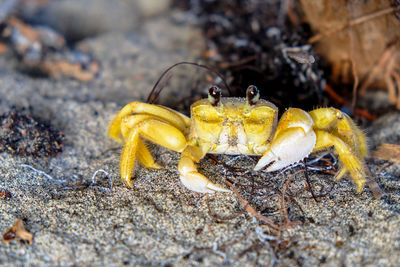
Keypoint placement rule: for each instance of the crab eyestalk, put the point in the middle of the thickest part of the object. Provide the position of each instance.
(214, 95)
(252, 95)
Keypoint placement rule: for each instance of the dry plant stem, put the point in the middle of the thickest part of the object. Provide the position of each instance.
(352, 23)
(329, 90)
(361, 112)
(308, 181)
(225, 65)
(354, 72)
(250, 210)
(216, 219)
(396, 77)
(355, 86)
(387, 165)
(364, 113)
(389, 71)
(378, 68)
(283, 202)
(390, 85)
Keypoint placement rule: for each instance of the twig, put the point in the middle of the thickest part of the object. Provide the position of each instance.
(387, 165)
(308, 180)
(340, 100)
(225, 65)
(378, 67)
(216, 219)
(355, 76)
(351, 23)
(335, 96)
(396, 77)
(250, 210)
(283, 202)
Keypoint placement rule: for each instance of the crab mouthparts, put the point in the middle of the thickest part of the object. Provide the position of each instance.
(232, 140)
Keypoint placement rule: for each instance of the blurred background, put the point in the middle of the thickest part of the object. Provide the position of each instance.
(299, 53)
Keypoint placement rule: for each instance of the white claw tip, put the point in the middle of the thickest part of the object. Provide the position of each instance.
(216, 188)
(199, 183)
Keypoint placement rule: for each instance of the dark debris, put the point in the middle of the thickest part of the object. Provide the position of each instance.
(251, 43)
(4, 194)
(21, 134)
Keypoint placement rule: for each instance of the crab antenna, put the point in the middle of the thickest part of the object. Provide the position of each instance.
(214, 95)
(155, 93)
(252, 95)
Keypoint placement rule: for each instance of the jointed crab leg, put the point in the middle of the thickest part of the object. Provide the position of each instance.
(189, 175)
(175, 118)
(154, 130)
(144, 156)
(342, 126)
(127, 162)
(351, 162)
(348, 140)
(130, 122)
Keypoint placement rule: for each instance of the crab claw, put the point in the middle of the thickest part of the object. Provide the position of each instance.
(194, 180)
(294, 140)
(290, 147)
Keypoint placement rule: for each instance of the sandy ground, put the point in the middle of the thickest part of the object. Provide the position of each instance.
(78, 219)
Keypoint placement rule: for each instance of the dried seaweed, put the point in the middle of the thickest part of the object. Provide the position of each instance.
(21, 134)
(248, 42)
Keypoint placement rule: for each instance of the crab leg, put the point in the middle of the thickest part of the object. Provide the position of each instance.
(361, 149)
(144, 156)
(130, 122)
(142, 153)
(189, 175)
(175, 118)
(294, 140)
(154, 130)
(342, 126)
(351, 162)
(344, 130)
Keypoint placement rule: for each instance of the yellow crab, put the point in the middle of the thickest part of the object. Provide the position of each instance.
(226, 125)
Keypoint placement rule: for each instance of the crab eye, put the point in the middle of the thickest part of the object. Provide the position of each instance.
(252, 95)
(214, 95)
